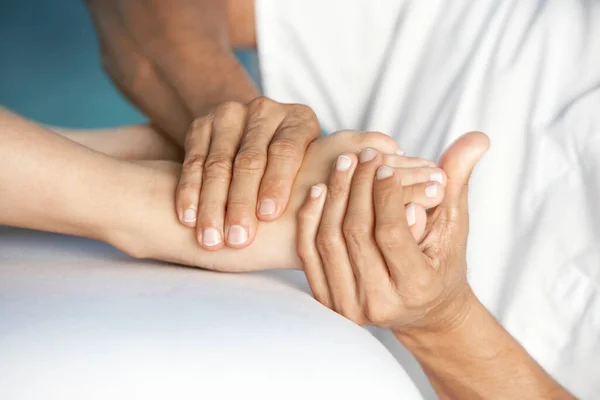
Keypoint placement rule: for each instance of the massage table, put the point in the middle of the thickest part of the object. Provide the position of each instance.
(81, 320)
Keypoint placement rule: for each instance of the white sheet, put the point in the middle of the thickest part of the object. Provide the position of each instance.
(79, 320)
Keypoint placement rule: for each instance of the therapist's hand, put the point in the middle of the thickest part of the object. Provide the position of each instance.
(361, 257)
(241, 161)
(174, 59)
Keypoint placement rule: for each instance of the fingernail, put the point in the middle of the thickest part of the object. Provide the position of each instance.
(411, 217)
(343, 163)
(436, 177)
(384, 172)
(367, 155)
(189, 215)
(267, 207)
(315, 192)
(211, 237)
(400, 152)
(431, 190)
(237, 235)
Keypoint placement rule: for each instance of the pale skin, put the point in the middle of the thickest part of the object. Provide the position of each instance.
(61, 186)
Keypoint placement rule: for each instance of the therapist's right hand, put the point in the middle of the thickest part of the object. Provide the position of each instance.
(173, 59)
(241, 161)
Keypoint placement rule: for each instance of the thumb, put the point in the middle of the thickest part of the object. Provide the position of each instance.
(458, 161)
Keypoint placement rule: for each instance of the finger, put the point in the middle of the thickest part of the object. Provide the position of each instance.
(358, 141)
(458, 161)
(309, 218)
(285, 155)
(227, 128)
(249, 166)
(414, 175)
(394, 160)
(331, 244)
(428, 194)
(380, 141)
(372, 276)
(190, 180)
(416, 218)
(392, 233)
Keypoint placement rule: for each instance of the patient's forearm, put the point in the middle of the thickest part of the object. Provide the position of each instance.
(133, 142)
(50, 183)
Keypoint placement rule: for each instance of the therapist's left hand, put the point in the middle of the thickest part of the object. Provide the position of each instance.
(367, 265)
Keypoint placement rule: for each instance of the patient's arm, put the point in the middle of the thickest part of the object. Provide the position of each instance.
(132, 142)
(50, 183)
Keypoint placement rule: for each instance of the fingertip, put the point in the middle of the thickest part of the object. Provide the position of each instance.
(315, 198)
(438, 176)
(238, 236)
(416, 217)
(434, 191)
(274, 195)
(267, 209)
(316, 191)
(384, 172)
(210, 238)
(188, 216)
(345, 161)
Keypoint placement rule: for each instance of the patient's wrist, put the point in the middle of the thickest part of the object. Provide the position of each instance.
(147, 228)
(126, 228)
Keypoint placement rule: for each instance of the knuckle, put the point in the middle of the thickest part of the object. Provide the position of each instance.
(230, 109)
(304, 254)
(260, 103)
(304, 119)
(326, 245)
(198, 123)
(284, 149)
(189, 185)
(194, 163)
(256, 126)
(390, 237)
(351, 312)
(210, 212)
(378, 313)
(306, 215)
(356, 232)
(303, 111)
(217, 166)
(250, 161)
(239, 205)
(338, 190)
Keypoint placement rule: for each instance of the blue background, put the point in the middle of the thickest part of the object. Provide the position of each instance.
(50, 66)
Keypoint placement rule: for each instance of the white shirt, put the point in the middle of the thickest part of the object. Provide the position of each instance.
(526, 72)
